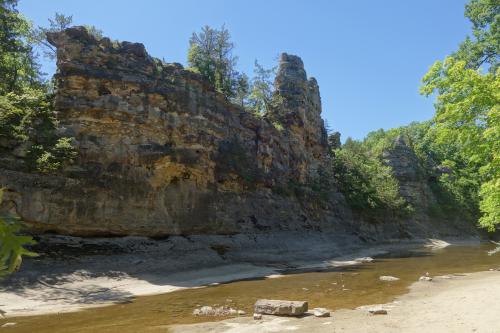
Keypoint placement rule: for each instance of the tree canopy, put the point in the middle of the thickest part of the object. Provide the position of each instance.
(211, 54)
(467, 87)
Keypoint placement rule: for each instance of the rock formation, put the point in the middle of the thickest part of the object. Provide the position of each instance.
(161, 152)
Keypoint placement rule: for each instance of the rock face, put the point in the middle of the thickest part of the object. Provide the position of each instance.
(416, 187)
(162, 153)
(406, 169)
(280, 308)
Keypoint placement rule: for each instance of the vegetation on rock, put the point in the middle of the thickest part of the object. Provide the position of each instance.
(28, 136)
(362, 177)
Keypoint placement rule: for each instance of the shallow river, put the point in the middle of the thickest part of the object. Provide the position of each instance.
(346, 287)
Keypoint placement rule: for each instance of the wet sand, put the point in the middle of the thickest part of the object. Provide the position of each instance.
(339, 284)
(456, 304)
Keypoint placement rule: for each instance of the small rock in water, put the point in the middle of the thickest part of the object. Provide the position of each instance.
(241, 313)
(321, 312)
(365, 259)
(425, 278)
(388, 278)
(8, 325)
(257, 316)
(377, 311)
(217, 311)
(280, 308)
(204, 311)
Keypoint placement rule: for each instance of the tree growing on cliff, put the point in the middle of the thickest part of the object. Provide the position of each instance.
(58, 23)
(261, 93)
(262, 98)
(211, 54)
(242, 90)
(467, 104)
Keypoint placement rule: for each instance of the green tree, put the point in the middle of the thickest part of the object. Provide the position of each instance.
(262, 98)
(467, 103)
(484, 45)
(364, 180)
(445, 165)
(58, 23)
(12, 244)
(18, 66)
(242, 90)
(211, 54)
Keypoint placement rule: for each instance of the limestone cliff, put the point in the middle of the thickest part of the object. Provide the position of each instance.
(161, 152)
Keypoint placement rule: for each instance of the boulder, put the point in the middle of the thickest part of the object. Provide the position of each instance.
(280, 308)
(321, 312)
(388, 278)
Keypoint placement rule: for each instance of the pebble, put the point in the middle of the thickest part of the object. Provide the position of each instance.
(257, 316)
(217, 311)
(377, 311)
(388, 278)
(321, 312)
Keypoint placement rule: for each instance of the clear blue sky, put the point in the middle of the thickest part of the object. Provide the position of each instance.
(368, 56)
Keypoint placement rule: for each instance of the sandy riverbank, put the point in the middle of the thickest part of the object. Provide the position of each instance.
(459, 303)
(118, 270)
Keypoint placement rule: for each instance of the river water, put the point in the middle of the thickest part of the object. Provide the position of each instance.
(336, 288)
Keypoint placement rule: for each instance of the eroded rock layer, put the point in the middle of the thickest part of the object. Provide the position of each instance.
(160, 152)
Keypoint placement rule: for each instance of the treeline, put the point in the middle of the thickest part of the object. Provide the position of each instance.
(463, 137)
(29, 140)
